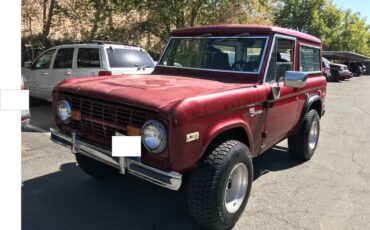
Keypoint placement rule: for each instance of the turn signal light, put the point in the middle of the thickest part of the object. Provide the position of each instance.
(76, 115)
(133, 131)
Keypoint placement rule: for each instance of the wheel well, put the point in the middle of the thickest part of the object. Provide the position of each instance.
(316, 105)
(237, 134)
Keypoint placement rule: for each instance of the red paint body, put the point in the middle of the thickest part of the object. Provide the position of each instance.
(208, 102)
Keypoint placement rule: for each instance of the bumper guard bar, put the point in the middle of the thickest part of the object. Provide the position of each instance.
(132, 165)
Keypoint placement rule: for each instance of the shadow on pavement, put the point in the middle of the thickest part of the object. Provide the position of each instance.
(69, 199)
(41, 116)
(275, 159)
(38, 102)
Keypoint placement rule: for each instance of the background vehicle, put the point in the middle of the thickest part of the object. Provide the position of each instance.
(208, 108)
(340, 71)
(326, 70)
(363, 67)
(97, 58)
(26, 115)
(356, 68)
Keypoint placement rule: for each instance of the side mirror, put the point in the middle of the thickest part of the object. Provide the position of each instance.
(295, 79)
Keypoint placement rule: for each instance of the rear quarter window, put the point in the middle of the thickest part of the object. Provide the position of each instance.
(309, 59)
(121, 58)
(88, 58)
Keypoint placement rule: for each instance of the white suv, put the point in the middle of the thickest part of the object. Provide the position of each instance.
(96, 58)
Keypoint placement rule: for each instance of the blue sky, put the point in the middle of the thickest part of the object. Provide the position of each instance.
(361, 6)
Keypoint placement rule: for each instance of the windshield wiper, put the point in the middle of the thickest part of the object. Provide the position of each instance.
(146, 66)
(142, 67)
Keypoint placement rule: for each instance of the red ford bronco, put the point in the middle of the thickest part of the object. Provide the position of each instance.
(219, 96)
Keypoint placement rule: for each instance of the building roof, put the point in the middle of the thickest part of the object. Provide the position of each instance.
(234, 29)
(348, 55)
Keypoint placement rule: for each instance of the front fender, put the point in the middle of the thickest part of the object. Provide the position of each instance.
(219, 128)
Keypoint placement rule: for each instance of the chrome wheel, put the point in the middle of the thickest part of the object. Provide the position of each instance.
(314, 135)
(236, 188)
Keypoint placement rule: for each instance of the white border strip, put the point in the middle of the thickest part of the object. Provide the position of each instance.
(14, 100)
(10, 121)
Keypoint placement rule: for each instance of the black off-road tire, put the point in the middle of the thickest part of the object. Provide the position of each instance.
(299, 142)
(95, 168)
(206, 189)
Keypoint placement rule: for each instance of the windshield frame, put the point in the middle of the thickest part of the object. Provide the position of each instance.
(266, 37)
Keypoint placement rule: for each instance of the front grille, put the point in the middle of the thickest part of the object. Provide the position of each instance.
(102, 118)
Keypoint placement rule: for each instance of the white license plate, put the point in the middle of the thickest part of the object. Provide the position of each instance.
(126, 146)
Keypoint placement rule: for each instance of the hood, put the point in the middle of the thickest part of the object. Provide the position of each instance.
(150, 91)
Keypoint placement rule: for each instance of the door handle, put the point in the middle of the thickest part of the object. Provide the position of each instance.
(44, 74)
(67, 73)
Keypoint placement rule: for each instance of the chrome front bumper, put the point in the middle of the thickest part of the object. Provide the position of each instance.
(134, 166)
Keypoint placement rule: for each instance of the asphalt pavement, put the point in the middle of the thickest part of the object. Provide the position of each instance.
(331, 191)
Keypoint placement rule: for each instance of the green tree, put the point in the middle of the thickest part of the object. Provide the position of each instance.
(160, 17)
(337, 29)
(300, 15)
(356, 33)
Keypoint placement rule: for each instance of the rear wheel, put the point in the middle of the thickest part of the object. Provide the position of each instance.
(303, 144)
(95, 168)
(219, 188)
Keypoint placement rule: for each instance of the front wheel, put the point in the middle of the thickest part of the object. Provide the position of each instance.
(219, 188)
(303, 143)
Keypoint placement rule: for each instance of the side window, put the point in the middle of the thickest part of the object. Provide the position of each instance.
(270, 76)
(282, 60)
(309, 59)
(43, 62)
(63, 59)
(88, 58)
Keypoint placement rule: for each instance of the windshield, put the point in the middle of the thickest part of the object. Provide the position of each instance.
(121, 58)
(239, 54)
(325, 63)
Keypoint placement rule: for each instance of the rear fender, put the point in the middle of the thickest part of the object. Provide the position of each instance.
(306, 108)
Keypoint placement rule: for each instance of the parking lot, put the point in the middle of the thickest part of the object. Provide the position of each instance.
(331, 191)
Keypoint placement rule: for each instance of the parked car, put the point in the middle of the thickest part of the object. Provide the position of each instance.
(97, 58)
(356, 68)
(363, 67)
(340, 71)
(199, 115)
(25, 114)
(326, 70)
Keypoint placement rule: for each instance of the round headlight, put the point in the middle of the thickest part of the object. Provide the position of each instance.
(154, 136)
(64, 111)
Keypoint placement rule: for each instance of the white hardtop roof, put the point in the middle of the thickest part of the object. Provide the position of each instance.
(105, 45)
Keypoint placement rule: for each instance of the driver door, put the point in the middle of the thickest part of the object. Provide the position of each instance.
(39, 75)
(281, 110)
